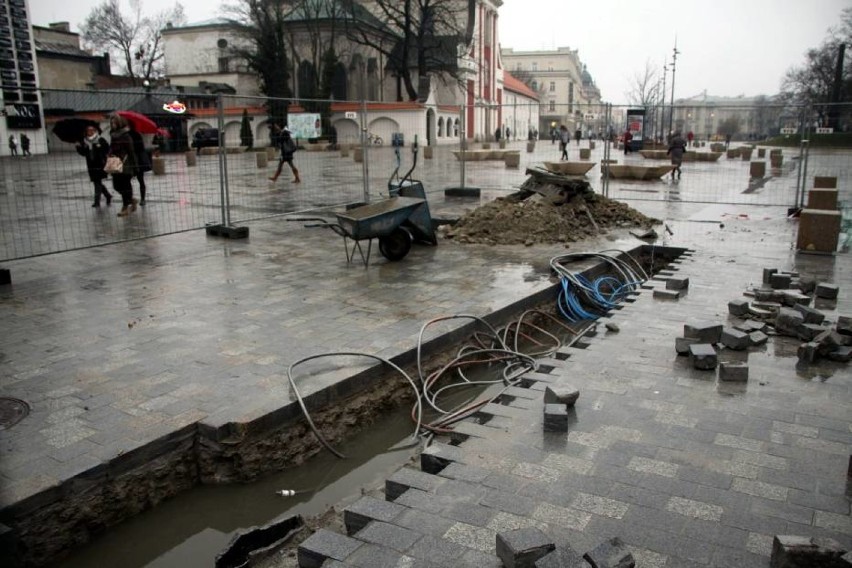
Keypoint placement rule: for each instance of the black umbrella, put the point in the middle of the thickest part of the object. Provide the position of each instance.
(73, 130)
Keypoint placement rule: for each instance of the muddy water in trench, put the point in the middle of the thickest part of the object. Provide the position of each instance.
(190, 529)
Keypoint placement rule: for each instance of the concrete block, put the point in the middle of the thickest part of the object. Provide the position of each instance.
(191, 159)
(844, 325)
(530, 147)
(358, 155)
(734, 339)
(738, 307)
(682, 344)
(407, 478)
(793, 298)
(366, 509)
(828, 341)
(841, 354)
(562, 557)
(706, 332)
(807, 284)
(767, 295)
(825, 182)
(807, 352)
(667, 294)
(822, 199)
(323, 545)
(818, 230)
(158, 166)
(733, 372)
(512, 159)
(772, 307)
(826, 291)
(585, 153)
(757, 338)
(787, 321)
(521, 548)
(611, 554)
(780, 281)
(757, 170)
(761, 152)
(555, 418)
(767, 272)
(811, 315)
(804, 552)
(703, 356)
(809, 331)
(428, 152)
(561, 394)
(677, 283)
(776, 161)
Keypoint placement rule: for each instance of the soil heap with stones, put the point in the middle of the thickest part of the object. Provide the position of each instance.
(549, 208)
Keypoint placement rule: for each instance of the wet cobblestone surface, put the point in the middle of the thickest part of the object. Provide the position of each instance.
(117, 347)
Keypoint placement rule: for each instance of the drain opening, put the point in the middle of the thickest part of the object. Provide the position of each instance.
(12, 411)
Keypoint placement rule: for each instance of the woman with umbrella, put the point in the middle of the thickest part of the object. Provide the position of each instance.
(121, 145)
(95, 149)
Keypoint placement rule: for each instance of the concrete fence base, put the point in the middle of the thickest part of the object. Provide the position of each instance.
(158, 166)
(191, 159)
(428, 152)
(757, 170)
(261, 160)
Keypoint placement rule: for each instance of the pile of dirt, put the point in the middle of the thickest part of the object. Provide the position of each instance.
(549, 208)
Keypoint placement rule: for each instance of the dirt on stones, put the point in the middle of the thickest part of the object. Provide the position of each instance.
(549, 209)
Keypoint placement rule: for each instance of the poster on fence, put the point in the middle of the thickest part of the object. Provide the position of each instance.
(304, 125)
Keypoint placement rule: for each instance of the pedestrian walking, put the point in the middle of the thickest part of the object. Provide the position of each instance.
(143, 161)
(628, 137)
(287, 146)
(13, 145)
(578, 135)
(121, 146)
(554, 135)
(727, 141)
(497, 134)
(677, 147)
(95, 149)
(25, 145)
(508, 132)
(689, 137)
(564, 140)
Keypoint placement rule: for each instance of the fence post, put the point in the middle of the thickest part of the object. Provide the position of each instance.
(224, 229)
(607, 150)
(365, 161)
(462, 190)
(806, 144)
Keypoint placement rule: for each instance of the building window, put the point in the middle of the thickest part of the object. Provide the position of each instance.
(550, 67)
(223, 64)
(553, 86)
(535, 66)
(535, 85)
(552, 107)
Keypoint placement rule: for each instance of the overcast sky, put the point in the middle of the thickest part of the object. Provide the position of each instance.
(728, 47)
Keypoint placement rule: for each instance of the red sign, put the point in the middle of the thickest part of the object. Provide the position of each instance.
(175, 107)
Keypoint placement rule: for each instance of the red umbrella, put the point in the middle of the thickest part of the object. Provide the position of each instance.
(164, 133)
(141, 123)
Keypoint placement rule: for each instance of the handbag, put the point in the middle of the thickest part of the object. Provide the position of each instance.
(114, 165)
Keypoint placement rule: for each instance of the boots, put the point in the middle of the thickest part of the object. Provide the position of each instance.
(296, 178)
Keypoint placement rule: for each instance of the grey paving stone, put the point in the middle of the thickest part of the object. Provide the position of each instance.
(561, 394)
(677, 283)
(738, 307)
(610, 554)
(811, 315)
(734, 339)
(509, 502)
(682, 345)
(462, 472)
(555, 418)
(703, 356)
(437, 550)
(388, 535)
(757, 338)
(787, 322)
(407, 478)
(374, 556)
(733, 372)
(522, 547)
(790, 551)
(826, 290)
(706, 332)
(562, 557)
(366, 509)
(779, 281)
(808, 331)
(844, 325)
(422, 522)
(325, 544)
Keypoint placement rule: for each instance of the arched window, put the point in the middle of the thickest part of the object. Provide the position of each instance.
(535, 85)
(456, 128)
(440, 127)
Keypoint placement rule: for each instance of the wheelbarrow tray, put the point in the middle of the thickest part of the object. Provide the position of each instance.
(378, 219)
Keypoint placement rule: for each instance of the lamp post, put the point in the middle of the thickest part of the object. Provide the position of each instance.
(674, 62)
(663, 100)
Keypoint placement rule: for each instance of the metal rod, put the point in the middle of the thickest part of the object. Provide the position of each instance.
(807, 147)
(463, 143)
(799, 178)
(365, 167)
(674, 63)
(222, 175)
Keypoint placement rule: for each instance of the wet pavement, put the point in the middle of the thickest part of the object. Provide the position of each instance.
(117, 347)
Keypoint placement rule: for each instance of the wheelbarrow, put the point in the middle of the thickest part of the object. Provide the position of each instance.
(395, 222)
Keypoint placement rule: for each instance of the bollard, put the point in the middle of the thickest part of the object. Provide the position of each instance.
(358, 155)
(191, 159)
(158, 166)
(745, 154)
(530, 147)
(825, 182)
(502, 143)
(757, 170)
(486, 146)
(428, 151)
(270, 153)
(344, 150)
(585, 153)
(776, 161)
(591, 144)
(261, 159)
(761, 152)
(512, 159)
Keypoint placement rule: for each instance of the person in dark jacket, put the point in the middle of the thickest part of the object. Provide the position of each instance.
(121, 145)
(287, 146)
(677, 147)
(143, 161)
(25, 145)
(95, 149)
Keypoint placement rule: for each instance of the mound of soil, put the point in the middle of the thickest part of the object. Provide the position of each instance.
(549, 209)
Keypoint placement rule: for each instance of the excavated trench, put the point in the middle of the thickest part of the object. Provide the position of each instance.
(180, 503)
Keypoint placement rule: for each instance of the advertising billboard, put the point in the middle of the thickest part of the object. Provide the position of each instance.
(304, 125)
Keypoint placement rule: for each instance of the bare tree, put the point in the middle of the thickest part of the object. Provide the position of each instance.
(418, 38)
(314, 43)
(132, 38)
(644, 87)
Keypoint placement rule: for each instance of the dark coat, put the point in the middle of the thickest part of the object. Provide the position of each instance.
(121, 145)
(676, 149)
(143, 161)
(96, 156)
(288, 147)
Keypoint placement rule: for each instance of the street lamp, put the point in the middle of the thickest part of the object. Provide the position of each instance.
(674, 62)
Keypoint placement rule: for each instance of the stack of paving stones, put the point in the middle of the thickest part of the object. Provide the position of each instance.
(683, 474)
(676, 286)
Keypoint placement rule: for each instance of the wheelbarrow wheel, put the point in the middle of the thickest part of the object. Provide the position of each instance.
(396, 245)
